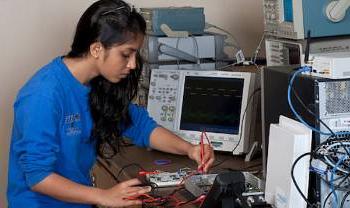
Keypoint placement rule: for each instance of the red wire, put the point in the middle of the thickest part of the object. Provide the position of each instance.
(141, 173)
(201, 143)
(206, 136)
(198, 199)
(187, 176)
(178, 203)
(202, 147)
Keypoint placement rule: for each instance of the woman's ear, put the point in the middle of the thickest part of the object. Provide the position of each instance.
(96, 49)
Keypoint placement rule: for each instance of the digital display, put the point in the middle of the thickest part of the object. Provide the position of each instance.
(212, 104)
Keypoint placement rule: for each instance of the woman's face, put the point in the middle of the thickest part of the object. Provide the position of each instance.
(117, 62)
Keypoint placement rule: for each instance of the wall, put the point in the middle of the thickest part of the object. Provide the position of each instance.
(35, 31)
(32, 33)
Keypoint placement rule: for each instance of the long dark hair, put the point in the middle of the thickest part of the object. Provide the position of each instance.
(112, 23)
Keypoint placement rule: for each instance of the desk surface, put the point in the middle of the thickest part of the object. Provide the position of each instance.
(127, 164)
(145, 158)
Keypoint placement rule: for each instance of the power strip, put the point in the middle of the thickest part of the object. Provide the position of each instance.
(166, 179)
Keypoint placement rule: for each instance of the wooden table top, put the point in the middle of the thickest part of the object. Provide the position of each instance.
(129, 162)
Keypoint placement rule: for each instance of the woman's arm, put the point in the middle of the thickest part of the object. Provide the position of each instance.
(166, 141)
(63, 189)
(146, 132)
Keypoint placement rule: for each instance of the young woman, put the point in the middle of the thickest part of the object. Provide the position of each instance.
(79, 105)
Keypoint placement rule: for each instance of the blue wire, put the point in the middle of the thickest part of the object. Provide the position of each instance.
(301, 70)
(335, 203)
(332, 179)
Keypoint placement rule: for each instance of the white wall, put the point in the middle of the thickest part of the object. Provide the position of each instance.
(33, 32)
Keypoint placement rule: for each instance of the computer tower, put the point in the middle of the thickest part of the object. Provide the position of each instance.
(328, 99)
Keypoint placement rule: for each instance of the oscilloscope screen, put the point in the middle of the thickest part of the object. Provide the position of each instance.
(212, 104)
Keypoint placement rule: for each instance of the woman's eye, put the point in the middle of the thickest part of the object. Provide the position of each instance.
(126, 55)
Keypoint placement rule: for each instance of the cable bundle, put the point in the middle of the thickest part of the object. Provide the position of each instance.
(330, 160)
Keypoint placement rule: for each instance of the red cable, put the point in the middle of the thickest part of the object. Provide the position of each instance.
(198, 199)
(142, 173)
(201, 143)
(206, 136)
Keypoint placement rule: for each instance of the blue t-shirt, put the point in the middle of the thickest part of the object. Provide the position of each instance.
(52, 134)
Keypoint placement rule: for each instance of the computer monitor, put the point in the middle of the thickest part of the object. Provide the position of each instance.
(189, 102)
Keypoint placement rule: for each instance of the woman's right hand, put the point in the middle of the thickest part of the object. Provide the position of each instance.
(123, 194)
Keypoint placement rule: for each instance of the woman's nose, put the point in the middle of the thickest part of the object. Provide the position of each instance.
(132, 62)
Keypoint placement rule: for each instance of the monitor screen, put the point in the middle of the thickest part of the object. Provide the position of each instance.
(189, 102)
(212, 104)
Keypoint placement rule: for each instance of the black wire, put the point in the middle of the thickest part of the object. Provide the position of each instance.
(116, 177)
(245, 169)
(341, 177)
(326, 199)
(307, 47)
(296, 184)
(344, 198)
(243, 117)
(334, 189)
(127, 166)
(329, 141)
(252, 166)
(310, 111)
(344, 188)
(334, 139)
(317, 118)
(306, 108)
(106, 169)
(168, 197)
(176, 190)
(219, 163)
(337, 187)
(335, 162)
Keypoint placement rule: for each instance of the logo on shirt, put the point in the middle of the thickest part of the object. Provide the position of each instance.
(71, 122)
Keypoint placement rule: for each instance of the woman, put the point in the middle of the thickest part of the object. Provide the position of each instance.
(78, 106)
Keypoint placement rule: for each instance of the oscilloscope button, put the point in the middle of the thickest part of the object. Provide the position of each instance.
(174, 76)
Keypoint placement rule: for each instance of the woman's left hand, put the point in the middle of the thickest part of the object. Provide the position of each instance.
(204, 162)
